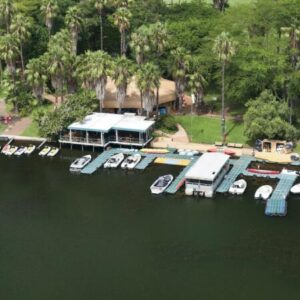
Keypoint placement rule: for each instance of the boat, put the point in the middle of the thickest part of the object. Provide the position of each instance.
(114, 161)
(131, 161)
(225, 151)
(238, 187)
(53, 152)
(5, 149)
(20, 151)
(265, 172)
(80, 163)
(295, 189)
(161, 184)
(45, 151)
(154, 150)
(29, 150)
(264, 192)
(12, 150)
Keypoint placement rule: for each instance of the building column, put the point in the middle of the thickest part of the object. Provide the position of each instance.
(70, 135)
(87, 137)
(117, 136)
(141, 138)
(102, 138)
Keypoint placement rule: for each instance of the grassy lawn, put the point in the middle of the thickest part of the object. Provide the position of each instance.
(203, 129)
(31, 130)
(2, 128)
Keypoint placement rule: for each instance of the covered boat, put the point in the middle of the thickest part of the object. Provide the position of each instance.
(20, 151)
(114, 161)
(53, 152)
(161, 184)
(238, 187)
(12, 150)
(45, 151)
(80, 163)
(131, 161)
(264, 192)
(5, 149)
(29, 150)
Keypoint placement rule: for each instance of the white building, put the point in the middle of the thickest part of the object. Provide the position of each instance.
(206, 174)
(102, 129)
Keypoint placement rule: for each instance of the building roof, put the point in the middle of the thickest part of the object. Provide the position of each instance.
(207, 166)
(104, 122)
(133, 99)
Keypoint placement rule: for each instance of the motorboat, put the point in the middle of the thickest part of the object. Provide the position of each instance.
(131, 161)
(29, 150)
(80, 163)
(295, 189)
(238, 187)
(264, 192)
(264, 172)
(161, 184)
(53, 152)
(45, 151)
(5, 149)
(20, 151)
(155, 150)
(114, 161)
(12, 150)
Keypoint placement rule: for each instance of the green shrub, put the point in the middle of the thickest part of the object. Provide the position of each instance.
(167, 124)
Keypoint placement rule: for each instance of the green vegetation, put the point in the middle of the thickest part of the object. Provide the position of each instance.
(32, 130)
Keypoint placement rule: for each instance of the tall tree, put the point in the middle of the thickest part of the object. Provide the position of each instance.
(74, 22)
(158, 37)
(99, 5)
(20, 27)
(224, 47)
(122, 18)
(6, 11)
(50, 9)
(180, 61)
(122, 72)
(36, 76)
(147, 79)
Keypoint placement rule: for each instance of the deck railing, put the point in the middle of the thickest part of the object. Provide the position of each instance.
(80, 140)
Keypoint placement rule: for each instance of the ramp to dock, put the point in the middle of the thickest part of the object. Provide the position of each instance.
(146, 161)
(239, 166)
(277, 204)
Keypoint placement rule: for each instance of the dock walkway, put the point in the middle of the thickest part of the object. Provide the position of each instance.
(277, 204)
(239, 166)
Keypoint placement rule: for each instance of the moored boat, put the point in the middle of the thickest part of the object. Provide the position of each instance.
(155, 150)
(12, 150)
(238, 187)
(161, 184)
(265, 172)
(5, 149)
(264, 192)
(131, 161)
(80, 163)
(114, 161)
(225, 151)
(295, 189)
(45, 151)
(20, 151)
(53, 152)
(29, 149)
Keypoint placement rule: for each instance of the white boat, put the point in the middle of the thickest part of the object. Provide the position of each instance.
(20, 151)
(238, 187)
(161, 184)
(5, 149)
(295, 189)
(29, 150)
(114, 161)
(45, 151)
(80, 163)
(264, 192)
(131, 161)
(12, 150)
(53, 152)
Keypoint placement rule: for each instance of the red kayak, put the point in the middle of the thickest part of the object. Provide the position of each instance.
(265, 172)
(226, 151)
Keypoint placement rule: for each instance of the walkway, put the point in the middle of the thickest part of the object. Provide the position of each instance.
(18, 127)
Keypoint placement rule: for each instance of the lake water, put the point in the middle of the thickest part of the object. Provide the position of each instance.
(104, 236)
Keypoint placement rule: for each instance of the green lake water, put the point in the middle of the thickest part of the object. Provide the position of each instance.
(104, 236)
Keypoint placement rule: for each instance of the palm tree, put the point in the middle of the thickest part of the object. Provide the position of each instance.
(140, 43)
(6, 11)
(180, 65)
(36, 76)
(74, 22)
(20, 27)
(158, 37)
(220, 4)
(50, 9)
(99, 5)
(122, 21)
(121, 3)
(122, 72)
(147, 79)
(93, 69)
(224, 47)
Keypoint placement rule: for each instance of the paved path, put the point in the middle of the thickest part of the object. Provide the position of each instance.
(18, 127)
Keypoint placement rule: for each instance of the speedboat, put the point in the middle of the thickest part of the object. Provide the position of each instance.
(12, 150)
(114, 161)
(29, 150)
(5, 149)
(45, 151)
(20, 151)
(53, 152)
(131, 161)
(80, 163)
(264, 192)
(238, 187)
(295, 189)
(161, 184)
